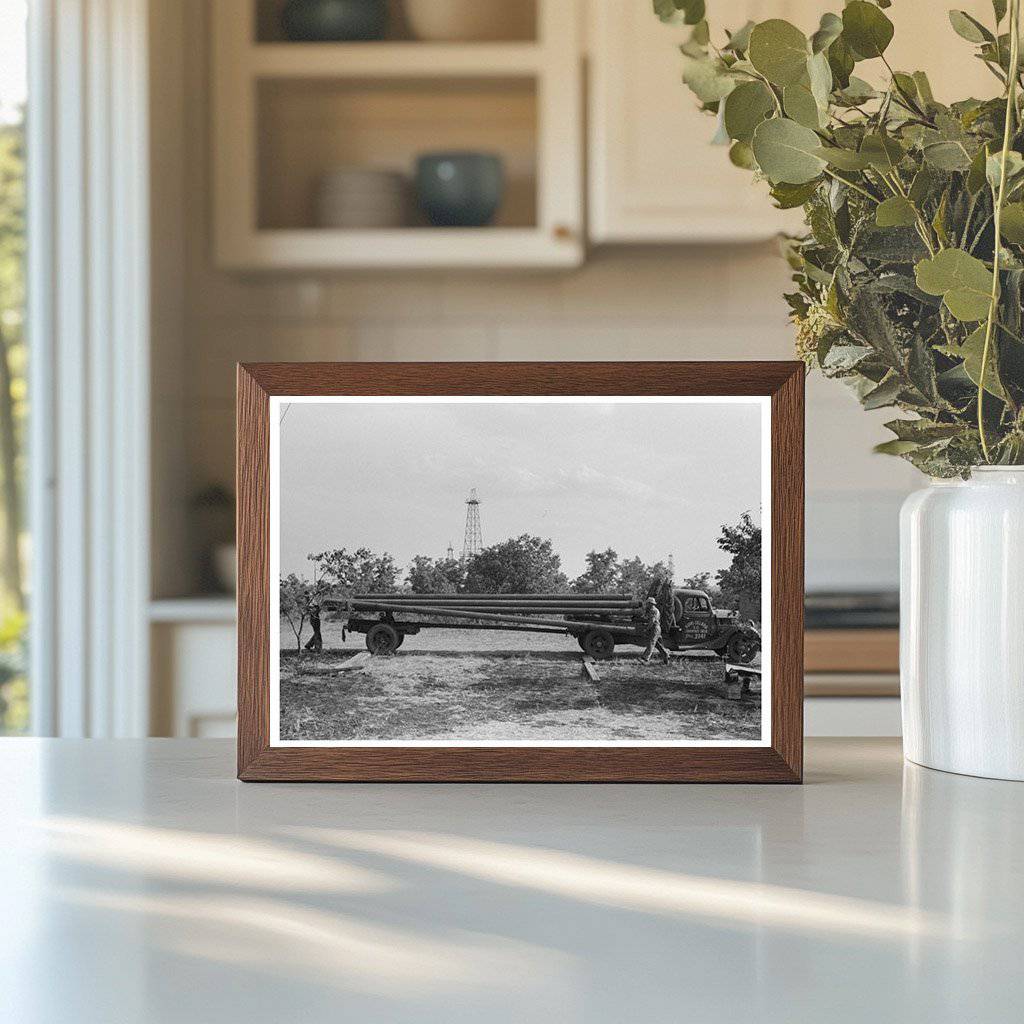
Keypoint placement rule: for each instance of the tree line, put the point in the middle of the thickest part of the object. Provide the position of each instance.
(519, 565)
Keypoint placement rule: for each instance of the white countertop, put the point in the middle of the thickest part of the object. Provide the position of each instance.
(140, 882)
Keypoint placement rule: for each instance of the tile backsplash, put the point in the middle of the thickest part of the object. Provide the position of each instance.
(708, 303)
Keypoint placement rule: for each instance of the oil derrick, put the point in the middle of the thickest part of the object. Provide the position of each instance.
(472, 544)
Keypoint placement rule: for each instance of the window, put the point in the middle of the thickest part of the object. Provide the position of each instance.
(14, 694)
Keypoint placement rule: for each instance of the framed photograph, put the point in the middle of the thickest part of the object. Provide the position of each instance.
(578, 572)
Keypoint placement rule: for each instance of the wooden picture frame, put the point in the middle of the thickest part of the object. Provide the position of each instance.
(780, 760)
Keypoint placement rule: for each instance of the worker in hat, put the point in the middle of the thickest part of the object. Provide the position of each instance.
(316, 641)
(653, 619)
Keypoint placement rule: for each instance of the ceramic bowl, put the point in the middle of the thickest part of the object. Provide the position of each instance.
(460, 189)
(470, 20)
(333, 21)
(359, 197)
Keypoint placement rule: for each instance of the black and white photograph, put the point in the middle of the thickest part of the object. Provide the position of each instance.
(519, 571)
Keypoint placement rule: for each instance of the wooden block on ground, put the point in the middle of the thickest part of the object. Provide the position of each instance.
(590, 669)
(356, 661)
(732, 688)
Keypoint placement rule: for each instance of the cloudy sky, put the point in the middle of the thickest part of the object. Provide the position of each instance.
(646, 479)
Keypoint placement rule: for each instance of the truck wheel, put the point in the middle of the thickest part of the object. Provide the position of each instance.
(382, 639)
(741, 649)
(599, 644)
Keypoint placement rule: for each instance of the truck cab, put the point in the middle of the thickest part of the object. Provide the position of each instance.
(692, 621)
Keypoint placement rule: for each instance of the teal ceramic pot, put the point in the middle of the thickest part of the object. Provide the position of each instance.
(334, 21)
(460, 189)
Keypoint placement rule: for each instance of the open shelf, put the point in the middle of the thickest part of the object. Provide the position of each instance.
(520, 22)
(286, 114)
(309, 127)
(391, 60)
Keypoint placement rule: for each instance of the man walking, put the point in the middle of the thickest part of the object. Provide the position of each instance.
(653, 619)
(316, 641)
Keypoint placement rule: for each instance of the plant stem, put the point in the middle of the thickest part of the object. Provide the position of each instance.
(775, 98)
(1011, 109)
(910, 102)
(853, 185)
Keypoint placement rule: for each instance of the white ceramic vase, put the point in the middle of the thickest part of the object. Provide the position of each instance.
(962, 624)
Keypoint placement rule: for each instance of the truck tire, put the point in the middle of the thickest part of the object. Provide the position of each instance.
(598, 643)
(741, 649)
(383, 639)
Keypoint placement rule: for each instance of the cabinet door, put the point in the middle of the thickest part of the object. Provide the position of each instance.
(654, 176)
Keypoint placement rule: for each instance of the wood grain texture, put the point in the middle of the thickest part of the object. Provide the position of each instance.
(781, 762)
(852, 650)
(252, 480)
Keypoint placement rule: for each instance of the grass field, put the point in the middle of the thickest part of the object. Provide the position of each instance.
(461, 685)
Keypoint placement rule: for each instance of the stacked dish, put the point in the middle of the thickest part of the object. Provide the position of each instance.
(362, 197)
(470, 20)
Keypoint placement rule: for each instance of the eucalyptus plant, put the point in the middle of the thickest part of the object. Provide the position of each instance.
(910, 277)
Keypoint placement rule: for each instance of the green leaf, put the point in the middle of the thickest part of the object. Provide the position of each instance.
(819, 74)
(841, 63)
(745, 108)
(895, 212)
(741, 155)
(868, 319)
(924, 88)
(895, 447)
(939, 220)
(922, 185)
(883, 152)
(693, 10)
(788, 197)
(947, 156)
(885, 394)
(829, 30)
(701, 34)
(801, 106)
(921, 370)
(890, 245)
(866, 29)
(739, 41)
(707, 78)
(963, 281)
(690, 12)
(844, 159)
(993, 167)
(969, 28)
(666, 10)
(721, 136)
(905, 84)
(971, 351)
(923, 431)
(787, 151)
(779, 51)
(1012, 224)
(976, 173)
(857, 91)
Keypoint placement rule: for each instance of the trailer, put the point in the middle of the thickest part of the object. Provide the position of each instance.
(598, 622)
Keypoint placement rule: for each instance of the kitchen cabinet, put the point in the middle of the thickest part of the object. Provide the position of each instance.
(654, 177)
(287, 114)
